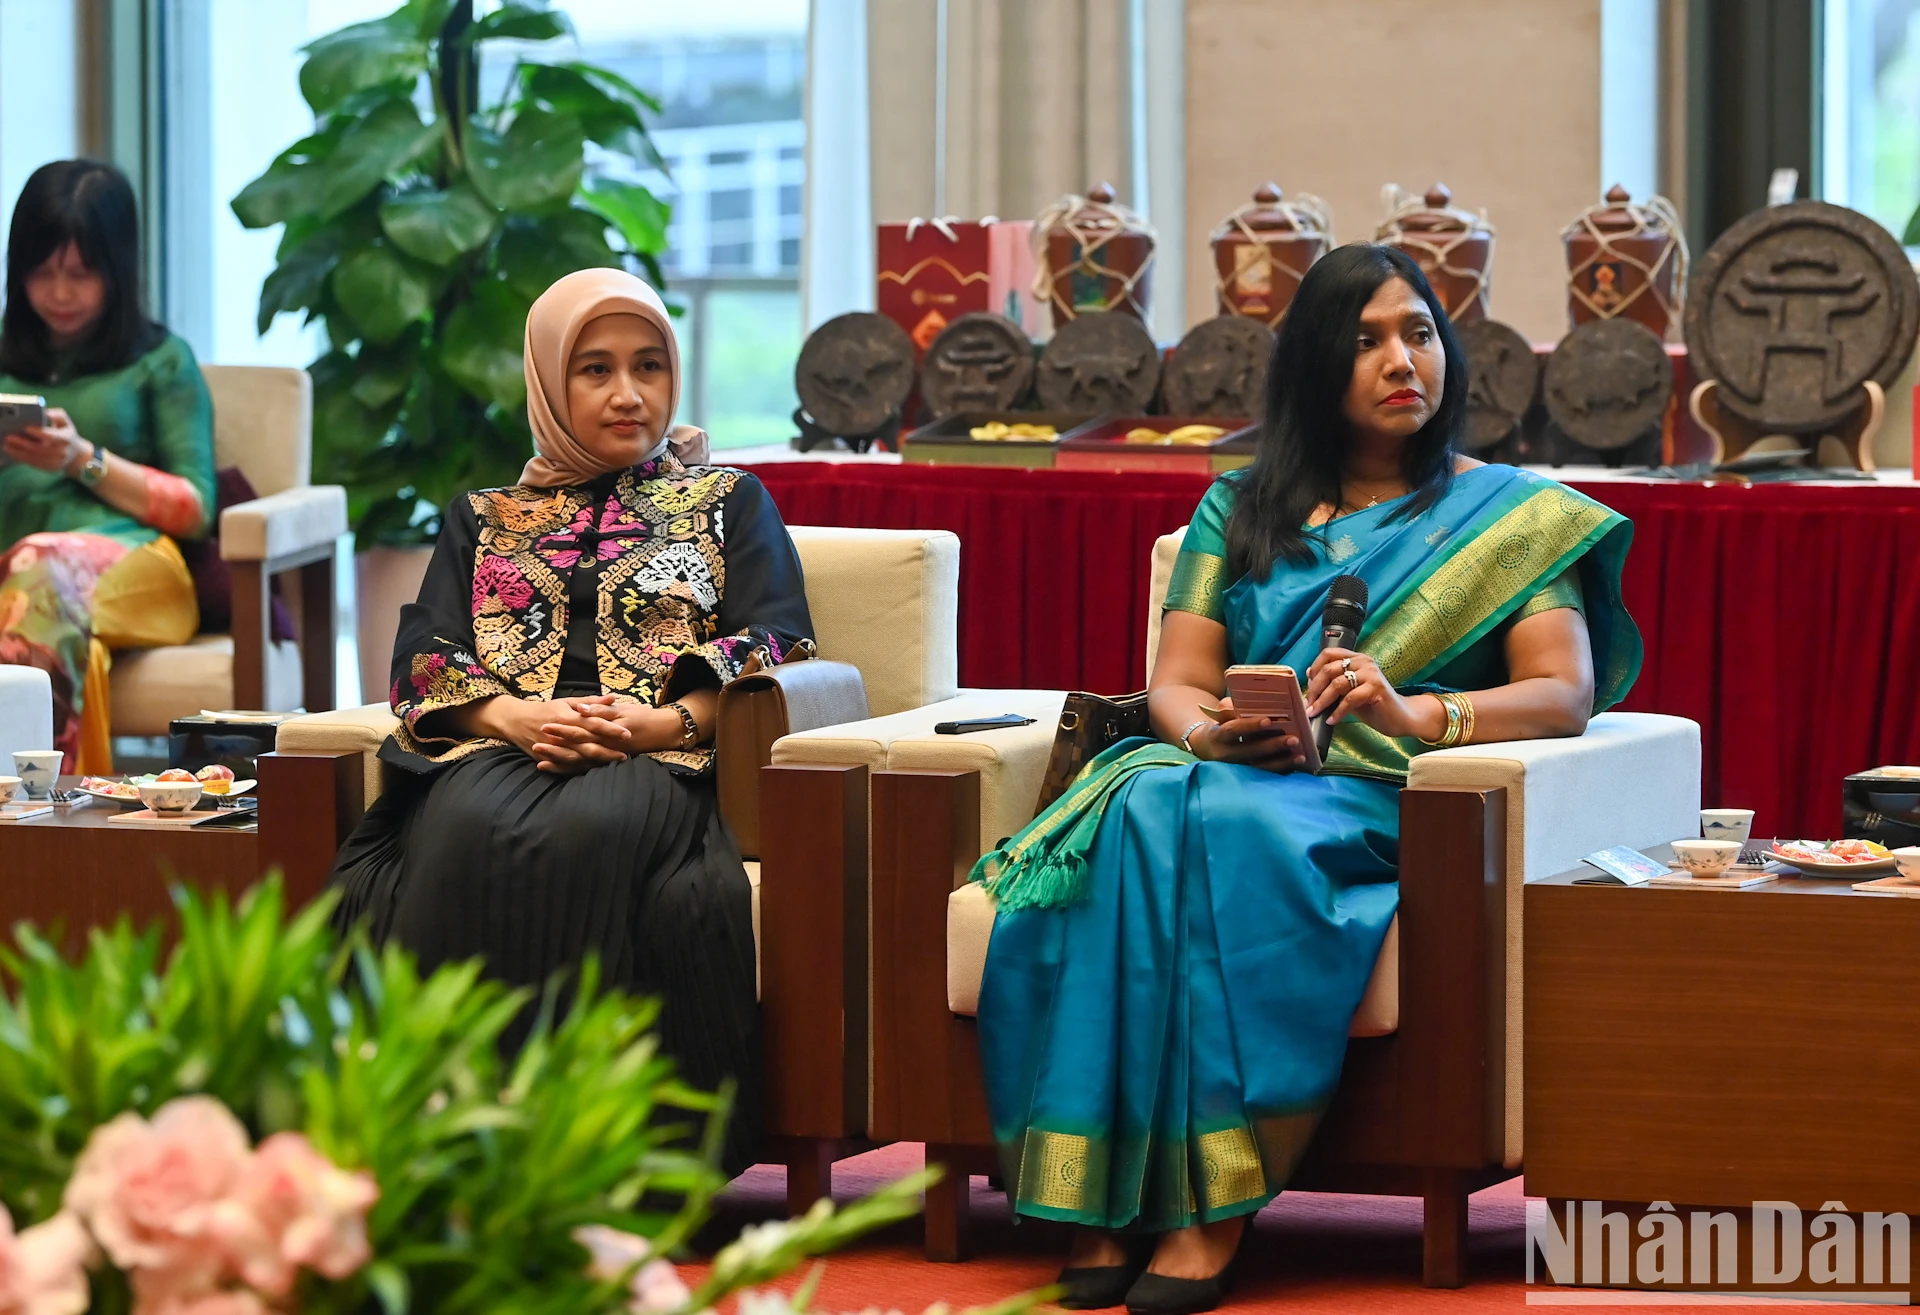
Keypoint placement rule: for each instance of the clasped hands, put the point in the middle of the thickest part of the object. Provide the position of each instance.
(1261, 742)
(571, 736)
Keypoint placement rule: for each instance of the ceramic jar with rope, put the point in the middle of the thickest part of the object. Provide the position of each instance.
(1262, 250)
(1627, 259)
(1454, 247)
(1092, 254)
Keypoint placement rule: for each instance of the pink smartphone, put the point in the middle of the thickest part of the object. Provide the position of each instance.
(1274, 693)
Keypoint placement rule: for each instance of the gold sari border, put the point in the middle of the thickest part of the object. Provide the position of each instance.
(1197, 584)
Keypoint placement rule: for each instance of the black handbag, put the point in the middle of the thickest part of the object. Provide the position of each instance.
(1090, 724)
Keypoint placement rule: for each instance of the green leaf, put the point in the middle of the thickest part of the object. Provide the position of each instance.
(355, 58)
(382, 291)
(438, 227)
(482, 345)
(376, 147)
(537, 162)
(610, 120)
(389, 1284)
(614, 83)
(381, 374)
(299, 280)
(291, 185)
(521, 22)
(640, 216)
(1911, 237)
(534, 253)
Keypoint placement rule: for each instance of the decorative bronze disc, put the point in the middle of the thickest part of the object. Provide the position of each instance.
(1099, 363)
(1608, 382)
(1502, 375)
(980, 362)
(1220, 369)
(854, 372)
(1794, 308)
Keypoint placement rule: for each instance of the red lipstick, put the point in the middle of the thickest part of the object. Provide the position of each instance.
(1405, 397)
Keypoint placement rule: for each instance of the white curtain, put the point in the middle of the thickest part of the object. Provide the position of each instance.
(836, 244)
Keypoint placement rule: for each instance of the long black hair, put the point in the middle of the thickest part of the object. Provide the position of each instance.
(1302, 450)
(91, 205)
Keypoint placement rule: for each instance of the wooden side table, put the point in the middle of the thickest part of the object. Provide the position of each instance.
(76, 868)
(1718, 1048)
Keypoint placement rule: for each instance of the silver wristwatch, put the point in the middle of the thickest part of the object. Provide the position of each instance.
(95, 468)
(1186, 736)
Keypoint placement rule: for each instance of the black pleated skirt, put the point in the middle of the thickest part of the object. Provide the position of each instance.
(529, 871)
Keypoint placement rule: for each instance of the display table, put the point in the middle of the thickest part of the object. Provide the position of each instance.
(1717, 1048)
(1784, 619)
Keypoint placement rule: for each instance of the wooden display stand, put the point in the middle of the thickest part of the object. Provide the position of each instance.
(1734, 435)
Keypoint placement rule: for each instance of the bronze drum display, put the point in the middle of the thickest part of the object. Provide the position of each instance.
(1794, 308)
(1454, 247)
(1099, 363)
(853, 376)
(1503, 375)
(980, 362)
(1608, 384)
(1219, 369)
(1092, 254)
(1262, 250)
(1626, 259)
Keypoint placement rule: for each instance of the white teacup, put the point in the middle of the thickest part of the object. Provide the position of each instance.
(8, 785)
(1734, 824)
(38, 769)
(1907, 859)
(1706, 858)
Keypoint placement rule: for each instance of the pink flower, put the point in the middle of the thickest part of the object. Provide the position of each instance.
(240, 1302)
(656, 1285)
(43, 1271)
(147, 1190)
(291, 1208)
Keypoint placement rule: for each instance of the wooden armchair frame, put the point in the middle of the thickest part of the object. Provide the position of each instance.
(812, 941)
(1418, 1112)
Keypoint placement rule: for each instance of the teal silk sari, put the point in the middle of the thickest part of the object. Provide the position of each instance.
(1181, 945)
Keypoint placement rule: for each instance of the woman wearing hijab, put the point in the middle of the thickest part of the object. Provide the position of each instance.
(556, 686)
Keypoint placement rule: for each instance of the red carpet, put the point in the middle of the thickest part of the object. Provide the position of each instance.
(1311, 1252)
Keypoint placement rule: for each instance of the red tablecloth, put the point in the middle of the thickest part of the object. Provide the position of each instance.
(1786, 621)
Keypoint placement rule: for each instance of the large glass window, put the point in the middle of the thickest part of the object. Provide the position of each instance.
(1870, 130)
(730, 135)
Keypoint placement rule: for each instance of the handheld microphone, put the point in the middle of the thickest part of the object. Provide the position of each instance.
(1340, 622)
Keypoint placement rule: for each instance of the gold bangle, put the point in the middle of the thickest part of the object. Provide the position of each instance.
(1468, 716)
(1449, 735)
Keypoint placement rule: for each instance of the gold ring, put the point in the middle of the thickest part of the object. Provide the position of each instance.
(1353, 681)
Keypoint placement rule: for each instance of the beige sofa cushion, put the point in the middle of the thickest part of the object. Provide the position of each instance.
(888, 601)
(1632, 779)
(149, 687)
(348, 730)
(970, 928)
(262, 423)
(1010, 762)
(1165, 549)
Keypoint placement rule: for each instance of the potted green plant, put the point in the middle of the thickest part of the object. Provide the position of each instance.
(420, 220)
(269, 1119)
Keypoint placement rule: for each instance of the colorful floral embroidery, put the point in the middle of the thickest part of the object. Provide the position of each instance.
(660, 573)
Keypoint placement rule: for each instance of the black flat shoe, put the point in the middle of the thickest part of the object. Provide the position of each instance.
(1157, 1294)
(1096, 1287)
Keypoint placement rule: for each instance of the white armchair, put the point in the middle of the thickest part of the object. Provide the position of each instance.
(1430, 1099)
(263, 424)
(26, 713)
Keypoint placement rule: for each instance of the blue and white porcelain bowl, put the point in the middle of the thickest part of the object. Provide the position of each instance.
(37, 769)
(1734, 824)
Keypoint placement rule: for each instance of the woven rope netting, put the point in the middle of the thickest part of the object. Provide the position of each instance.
(1312, 221)
(1434, 250)
(1648, 219)
(1092, 225)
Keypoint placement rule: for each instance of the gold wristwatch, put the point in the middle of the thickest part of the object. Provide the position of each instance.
(692, 735)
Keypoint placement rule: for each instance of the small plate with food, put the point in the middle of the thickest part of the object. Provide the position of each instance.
(1833, 858)
(215, 780)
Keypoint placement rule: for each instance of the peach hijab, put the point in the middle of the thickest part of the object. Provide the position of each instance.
(554, 324)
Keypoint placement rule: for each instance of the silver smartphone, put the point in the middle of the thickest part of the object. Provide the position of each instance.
(20, 411)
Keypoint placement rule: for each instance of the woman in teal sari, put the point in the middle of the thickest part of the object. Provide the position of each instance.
(1183, 938)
